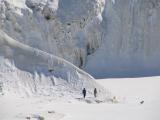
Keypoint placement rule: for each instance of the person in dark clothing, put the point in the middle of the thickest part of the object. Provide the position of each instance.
(142, 102)
(84, 92)
(95, 92)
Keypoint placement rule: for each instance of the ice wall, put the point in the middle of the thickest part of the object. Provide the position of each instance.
(132, 40)
(64, 28)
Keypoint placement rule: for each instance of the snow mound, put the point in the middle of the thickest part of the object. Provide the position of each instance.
(29, 71)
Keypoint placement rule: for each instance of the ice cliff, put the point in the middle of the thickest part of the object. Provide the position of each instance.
(131, 43)
(59, 27)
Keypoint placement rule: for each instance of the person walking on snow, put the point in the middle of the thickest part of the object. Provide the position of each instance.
(84, 92)
(95, 92)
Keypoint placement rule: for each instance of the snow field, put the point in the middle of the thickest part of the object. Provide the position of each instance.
(134, 90)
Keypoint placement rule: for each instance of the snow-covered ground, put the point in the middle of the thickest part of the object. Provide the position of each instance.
(129, 92)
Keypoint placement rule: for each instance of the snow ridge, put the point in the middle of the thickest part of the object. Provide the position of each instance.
(31, 71)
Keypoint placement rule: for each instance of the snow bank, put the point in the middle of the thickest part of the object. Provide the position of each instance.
(26, 70)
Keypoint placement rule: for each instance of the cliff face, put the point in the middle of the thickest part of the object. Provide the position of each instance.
(107, 38)
(63, 28)
(132, 40)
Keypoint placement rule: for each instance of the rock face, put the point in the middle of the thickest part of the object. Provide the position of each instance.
(107, 38)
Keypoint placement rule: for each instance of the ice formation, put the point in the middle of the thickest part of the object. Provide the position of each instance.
(29, 71)
(131, 43)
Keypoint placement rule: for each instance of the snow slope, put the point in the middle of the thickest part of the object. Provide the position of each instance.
(29, 71)
(133, 90)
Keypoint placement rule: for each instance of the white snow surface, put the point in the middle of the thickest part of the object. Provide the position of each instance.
(128, 92)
